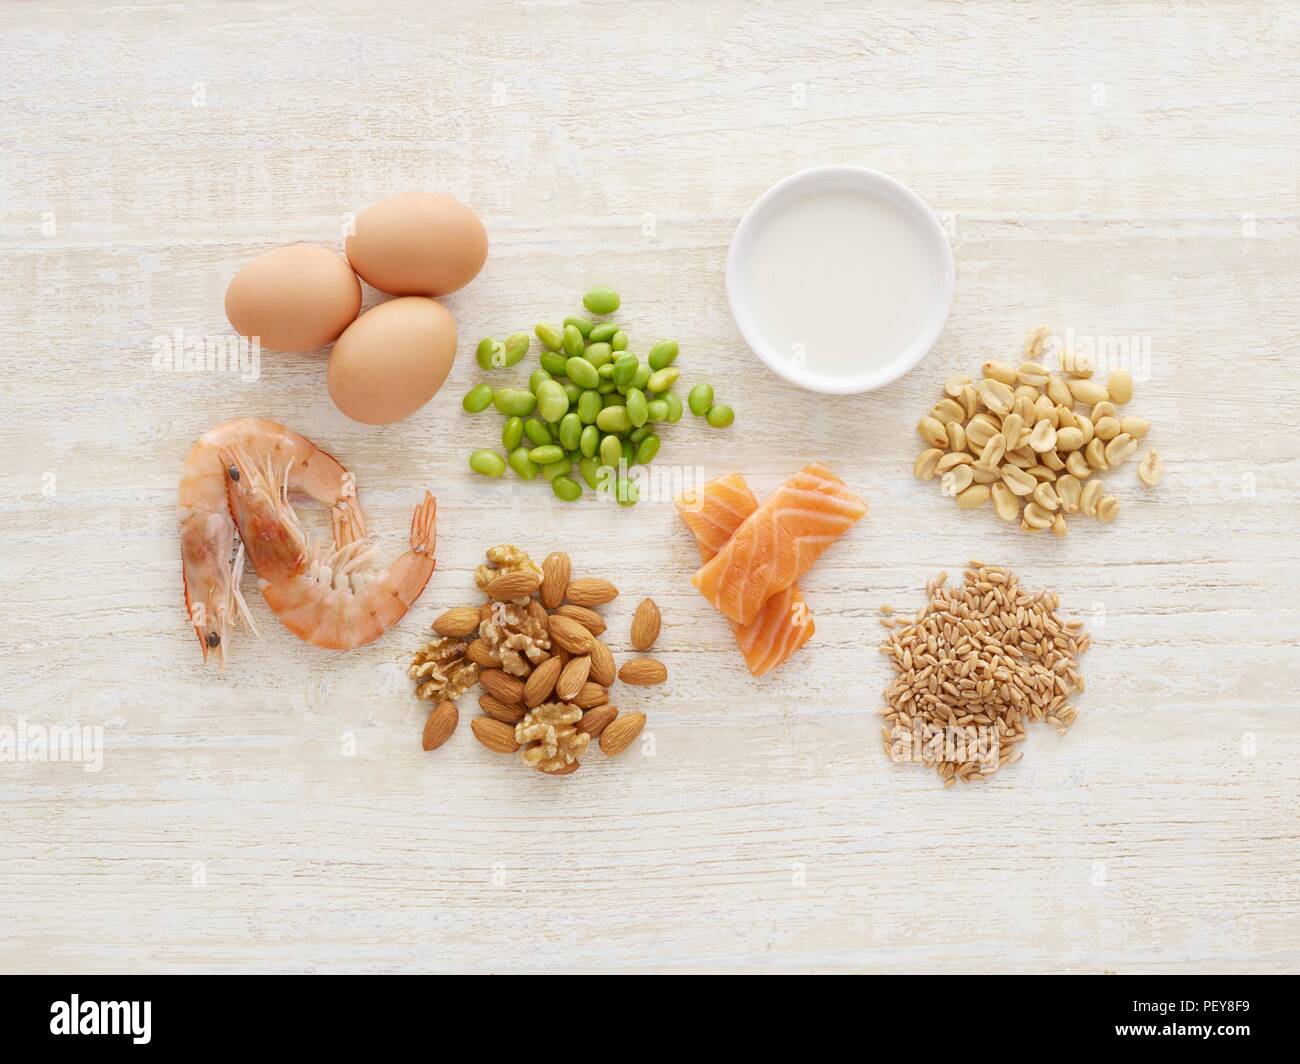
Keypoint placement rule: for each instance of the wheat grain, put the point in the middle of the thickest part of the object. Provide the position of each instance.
(973, 666)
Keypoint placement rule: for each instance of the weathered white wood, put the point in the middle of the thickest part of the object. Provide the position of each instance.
(1114, 169)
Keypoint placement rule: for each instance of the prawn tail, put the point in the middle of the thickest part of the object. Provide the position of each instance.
(349, 524)
(424, 532)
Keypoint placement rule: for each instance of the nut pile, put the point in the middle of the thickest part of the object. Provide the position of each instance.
(1030, 440)
(534, 646)
(973, 667)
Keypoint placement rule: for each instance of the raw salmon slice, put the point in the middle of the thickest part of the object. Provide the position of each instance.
(778, 542)
(785, 623)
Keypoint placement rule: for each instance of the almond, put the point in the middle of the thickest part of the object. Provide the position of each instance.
(510, 712)
(514, 585)
(496, 735)
(591, 696)
(538, 613)
(595, 721)
(570, 635)
(458, 622)
(441, 723)
(591, 591)
(502, 685)
(645, 625)
(602, 663)
(572, 678)
(555, 578)
(589, 619)
(620, 732)
(542, 682)
(642, 671)
(480, 654)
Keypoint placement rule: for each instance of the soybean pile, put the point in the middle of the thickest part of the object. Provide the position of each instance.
(592, 409)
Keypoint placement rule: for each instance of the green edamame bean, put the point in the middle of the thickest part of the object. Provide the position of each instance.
(624, 370)
(614, 419)
(720, 416)
(647, 449)
(546, 454)
(601, 300)
(663, 379)
(516, 348)
(618, 341)
(512, 433)
(487, 463)
(598, 354)
(642, 377)
(516, 402)
(550, 336)
(572, 391)
(603, 332)
(611, 400)
(478, 398)
(552, 401)
(525, 468)
(589, 440)
(566, 488)
(674, 407)
(626, 491)
(700, 399)
(662, 354)
(562, 468)
(490, 354)
(537, 432)
(606, 371)
(583, 325)
(637, 435)
(590, 470)
(658, 410)
(582, 372)
(536, 378)
(589, 405)
(570, 431)
(638, 410)
(554, 362)
(573, 341)
(606, 387)
(611, 451)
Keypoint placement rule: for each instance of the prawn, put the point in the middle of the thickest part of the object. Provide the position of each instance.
(333, 598)
(211, 566)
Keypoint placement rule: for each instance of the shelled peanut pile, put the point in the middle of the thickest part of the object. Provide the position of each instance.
(1031, 440)
(534, 646)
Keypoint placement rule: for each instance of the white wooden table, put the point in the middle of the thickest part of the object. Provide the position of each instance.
(1112, 169)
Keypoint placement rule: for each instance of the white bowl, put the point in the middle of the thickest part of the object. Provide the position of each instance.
(931, 246)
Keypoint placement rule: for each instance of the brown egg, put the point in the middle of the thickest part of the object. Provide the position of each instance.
(295, 298)
(392, 360)
(418, 244)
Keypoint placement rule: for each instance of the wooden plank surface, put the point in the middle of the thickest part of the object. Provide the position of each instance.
(1113, 169)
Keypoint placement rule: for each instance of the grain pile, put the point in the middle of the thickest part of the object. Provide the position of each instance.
(975, 665)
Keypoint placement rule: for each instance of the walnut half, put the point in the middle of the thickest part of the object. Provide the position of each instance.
(516, 639)
(440, 671)
(552, 741)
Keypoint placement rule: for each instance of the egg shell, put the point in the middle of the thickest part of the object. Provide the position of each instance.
(295, 298)
(418, 244)
(392, 360)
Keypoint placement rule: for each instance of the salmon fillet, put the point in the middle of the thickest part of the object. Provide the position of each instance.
(785, 623)
(778, 542)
